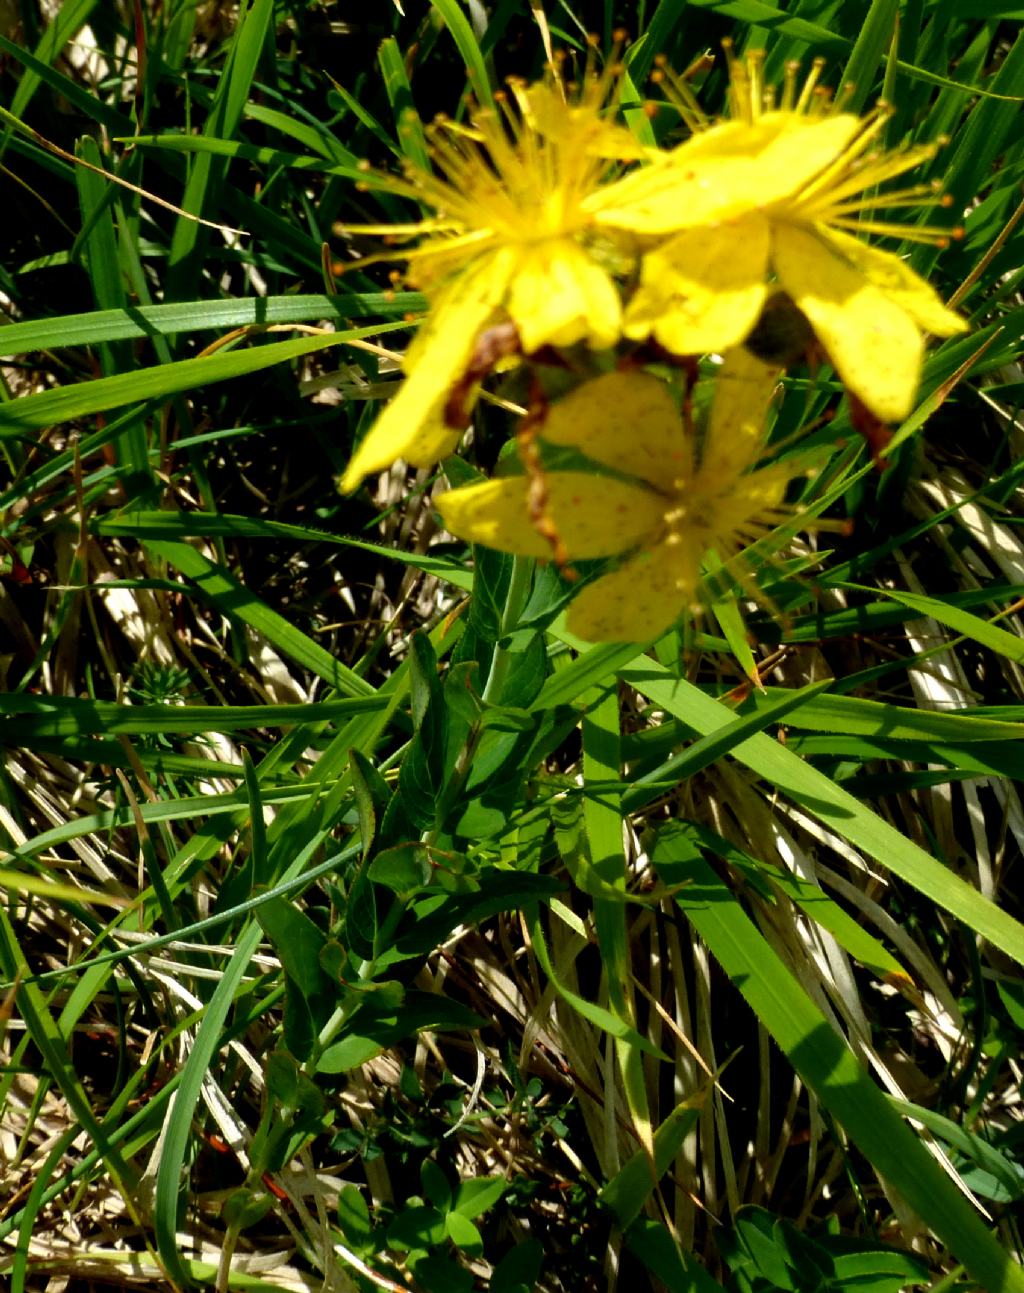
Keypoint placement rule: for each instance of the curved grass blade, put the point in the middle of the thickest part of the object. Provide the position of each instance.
(874, 38)
(65, 716)
(462, 34)
(138, 321)
(202, 189)
(33, 412)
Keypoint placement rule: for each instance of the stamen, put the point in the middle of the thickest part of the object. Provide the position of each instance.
(702, 63)
(817, 67)
(755, 73)
(918, 195)
(510, 175)
(789, 85)
(930, 234)
(342, 230)
(419, 253)
(822, 102)
(739, 86)
(680, 95)
(824, 196)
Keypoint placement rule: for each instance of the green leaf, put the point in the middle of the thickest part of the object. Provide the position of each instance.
(205, 180)
(477, 1194)
(878, 1270)
(52, 716)
(417, 1227)
(178, 1122)
(282, 1078)
(716, 744)
(404, 868)
(411, 136)
(986, 9)
(298, 943)
(354, 1218)
(371, 1029)
(962, 621)
(423, 768)
(89, 105)
(969, 160)
(601, 1018)
(590, 668)
(437, 1273)
(813, 902)
(67, 19)
(178, 525)
(1006, 1173)
(463, 1233)
(1011, 994)
(757, 1256)
(246, 1207)
(853, 716)
(491, 575)
(435, 1185)
(373, 794)
(874, 38)
(727, 612)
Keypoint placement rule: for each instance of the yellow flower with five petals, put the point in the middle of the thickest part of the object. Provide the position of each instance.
(679, 505)
(776, 194)
(511, 240)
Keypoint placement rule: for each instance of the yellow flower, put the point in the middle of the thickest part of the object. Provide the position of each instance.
(511, 240)
(777, 193)
(678, 506)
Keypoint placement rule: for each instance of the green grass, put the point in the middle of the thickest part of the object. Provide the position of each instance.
(363, 929)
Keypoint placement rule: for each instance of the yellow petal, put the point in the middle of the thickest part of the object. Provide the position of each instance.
(577, 129)
(703, 290)
(897, 280)
(559, 296)
(640, 600)
(629, 421)
(411, 426)
(873, 343)
(595, 516)
(748, 508)
(802, 148)
(722, 172)
(735, 433)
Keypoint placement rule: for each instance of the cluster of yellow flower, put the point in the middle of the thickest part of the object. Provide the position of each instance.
(555, 229)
